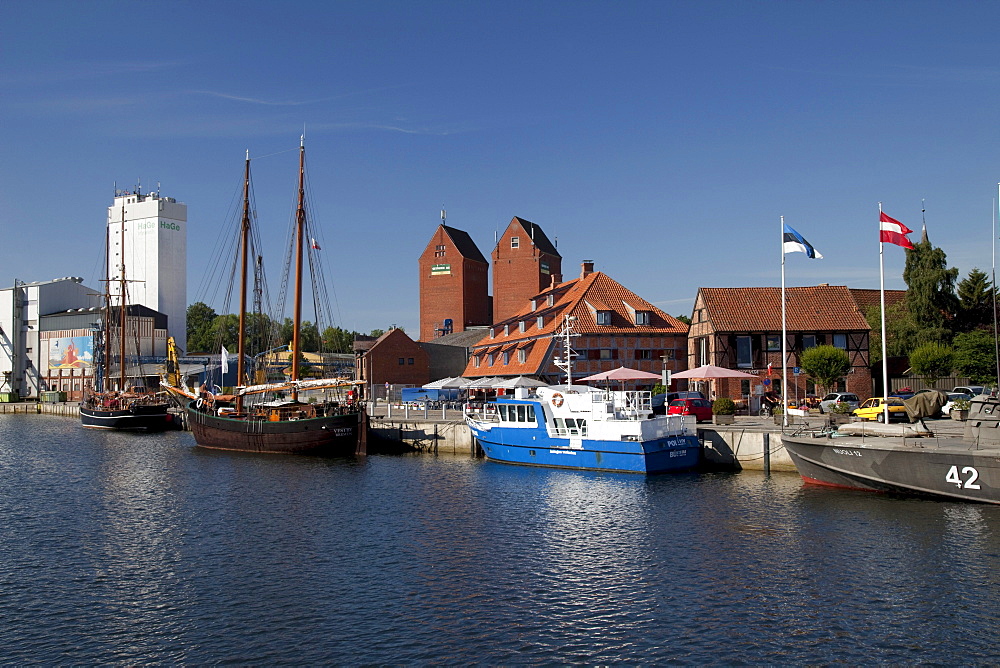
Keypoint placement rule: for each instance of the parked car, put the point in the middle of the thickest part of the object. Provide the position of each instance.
(873, 409)
(970, 390)
(700, 408)
(664, 399)
(952, 398)
(849, 398)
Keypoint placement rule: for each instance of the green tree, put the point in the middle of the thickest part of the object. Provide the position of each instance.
(825, 365)
(223, 332)
(377, 333)
(932, 361)
(337, 340)
(975, 356)
(901, 332)
(930, 292)
(683, 318)
(975, 302)
(199, 324)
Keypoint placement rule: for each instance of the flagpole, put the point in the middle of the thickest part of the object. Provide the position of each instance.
(784, 328)
(996, 341)
(885, 362)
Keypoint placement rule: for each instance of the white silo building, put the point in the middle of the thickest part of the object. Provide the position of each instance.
(152, 241)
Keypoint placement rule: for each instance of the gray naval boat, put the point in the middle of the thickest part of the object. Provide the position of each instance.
(905, 459)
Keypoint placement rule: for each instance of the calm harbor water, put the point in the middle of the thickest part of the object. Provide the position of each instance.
(130, 549)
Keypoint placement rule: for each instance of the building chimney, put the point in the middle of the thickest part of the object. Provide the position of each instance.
(586, 268)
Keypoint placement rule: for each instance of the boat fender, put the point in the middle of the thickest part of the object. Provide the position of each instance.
(200, 403)
(557, 399)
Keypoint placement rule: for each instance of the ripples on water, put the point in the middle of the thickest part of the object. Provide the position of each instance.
(128, 549)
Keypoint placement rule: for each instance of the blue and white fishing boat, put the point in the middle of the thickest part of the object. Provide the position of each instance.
(579, 427)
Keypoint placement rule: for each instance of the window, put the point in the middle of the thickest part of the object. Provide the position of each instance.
(840, 341)
(607, 354)
(540, 322)
(643, 354)
(402, 361)
(744, 351)
(515, 242)
(642, 318)
(506, 358)
(702, 351)
(808, 341)
(550, 300)
(773, 343)
(475, 361)
(522, 356)
(604, 317)
(439, 251)
(409, 360)
(745, 387)
(522, 326)
(489, 359)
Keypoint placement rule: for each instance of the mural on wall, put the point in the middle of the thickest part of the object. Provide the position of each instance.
(71, 352)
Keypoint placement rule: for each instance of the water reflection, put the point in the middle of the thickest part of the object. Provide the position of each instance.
(127, 550)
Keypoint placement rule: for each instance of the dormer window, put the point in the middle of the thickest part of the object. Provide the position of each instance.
(604, 317)
(540, 322)
(642, 318)
(515, 242)
(522, 326)
(551, 300)
(506, 330)
(534, 304)
(492, 332)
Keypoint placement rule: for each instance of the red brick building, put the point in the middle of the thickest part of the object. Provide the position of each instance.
(525, 263)
(393, 358)
(616, 328)
(454, 284)
(740, 328)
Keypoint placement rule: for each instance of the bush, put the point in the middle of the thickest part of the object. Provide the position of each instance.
(841, 408)
(961, 405)
(724, 406)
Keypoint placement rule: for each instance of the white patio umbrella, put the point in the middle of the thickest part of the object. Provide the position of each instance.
(519, 381)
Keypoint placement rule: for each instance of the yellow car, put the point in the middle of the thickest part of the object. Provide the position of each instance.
(874, 409)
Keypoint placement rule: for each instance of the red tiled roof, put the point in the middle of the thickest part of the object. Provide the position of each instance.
(818, 308)
(572, 298)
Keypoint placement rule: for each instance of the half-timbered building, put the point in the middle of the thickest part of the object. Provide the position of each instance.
(740, 328)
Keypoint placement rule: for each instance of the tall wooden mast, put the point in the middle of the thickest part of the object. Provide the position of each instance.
(244, 250)
(300, 225)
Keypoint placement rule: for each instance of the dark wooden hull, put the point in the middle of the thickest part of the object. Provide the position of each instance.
(137, 418)
(920, 467)
(328, 436)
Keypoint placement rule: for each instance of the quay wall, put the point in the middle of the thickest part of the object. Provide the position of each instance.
(723, 447)
(66, 409)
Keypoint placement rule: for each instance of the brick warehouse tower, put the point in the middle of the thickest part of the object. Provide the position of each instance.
(525, 263)
(454, 284)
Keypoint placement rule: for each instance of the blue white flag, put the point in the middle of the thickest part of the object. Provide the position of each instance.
(225, 360)
(796, 243)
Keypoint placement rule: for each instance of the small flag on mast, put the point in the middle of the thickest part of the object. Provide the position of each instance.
(314, 244)
(793, 242)
(225, 360)
(892, 231)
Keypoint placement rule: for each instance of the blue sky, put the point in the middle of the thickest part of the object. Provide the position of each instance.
(662, 140)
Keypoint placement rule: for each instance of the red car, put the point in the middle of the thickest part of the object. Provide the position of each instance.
(700, 408)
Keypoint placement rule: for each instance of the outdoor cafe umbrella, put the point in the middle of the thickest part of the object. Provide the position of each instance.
(623, 373)
(520, 381)
(710, 372)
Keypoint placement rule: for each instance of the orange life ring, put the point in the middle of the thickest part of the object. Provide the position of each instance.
(557, 400)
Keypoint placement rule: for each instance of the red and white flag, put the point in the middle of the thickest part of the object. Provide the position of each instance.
(314, 244)
(893, 232)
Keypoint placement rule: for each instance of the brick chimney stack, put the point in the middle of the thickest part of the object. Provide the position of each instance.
(586, 268)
